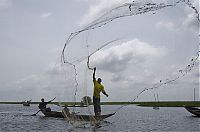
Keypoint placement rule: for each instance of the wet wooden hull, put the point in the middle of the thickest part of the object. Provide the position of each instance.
(193, 110)
(56, 114)
(78, 117)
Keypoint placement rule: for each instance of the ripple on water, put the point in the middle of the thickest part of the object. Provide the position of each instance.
(132, 118)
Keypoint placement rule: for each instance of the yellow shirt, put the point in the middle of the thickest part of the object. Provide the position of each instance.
(97, 89)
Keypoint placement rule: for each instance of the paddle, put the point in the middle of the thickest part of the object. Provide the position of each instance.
(52, 99)
(36, 113)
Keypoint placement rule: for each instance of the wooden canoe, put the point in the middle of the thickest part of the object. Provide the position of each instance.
(78, 117)
(193, 110)
(26, 103)
(57, 114)
(156, 108)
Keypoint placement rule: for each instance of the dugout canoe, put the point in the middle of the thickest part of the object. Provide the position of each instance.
(26, 103)
(57, 114)
(193, 110)
(79, 117)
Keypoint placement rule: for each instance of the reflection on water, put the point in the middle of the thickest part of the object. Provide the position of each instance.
(130, 118)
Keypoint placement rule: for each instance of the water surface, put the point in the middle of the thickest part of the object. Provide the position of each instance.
(131, 118)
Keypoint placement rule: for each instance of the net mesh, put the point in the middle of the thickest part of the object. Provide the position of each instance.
(88, 48)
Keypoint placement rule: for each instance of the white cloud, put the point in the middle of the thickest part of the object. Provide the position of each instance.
(50, 83)
(191, 21)
(46, 15)
(99, 9)
(84, 0)
(31, 77)
(5, 4)
(166, 25)
(117, 58)
(55, 50)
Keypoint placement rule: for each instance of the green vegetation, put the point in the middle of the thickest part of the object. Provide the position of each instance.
(170, 104)
(10, 102)
(144, 104)
(86, 100)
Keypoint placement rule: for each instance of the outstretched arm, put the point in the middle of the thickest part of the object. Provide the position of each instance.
(94, 74)
(104, 92)
(51, 100)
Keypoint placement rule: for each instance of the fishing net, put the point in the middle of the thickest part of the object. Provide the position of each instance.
(114, 43)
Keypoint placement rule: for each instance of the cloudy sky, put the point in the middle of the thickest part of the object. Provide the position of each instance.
(152, 47)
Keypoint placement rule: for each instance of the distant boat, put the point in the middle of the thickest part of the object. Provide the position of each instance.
(193, 110)
(59, 114)
(26, 103)
(155, 107)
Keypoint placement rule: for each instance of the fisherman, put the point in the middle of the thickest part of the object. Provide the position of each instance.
(42, 105)
(28, 101)
(98, 88)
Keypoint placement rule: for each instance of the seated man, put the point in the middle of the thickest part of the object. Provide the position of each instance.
(42, 105)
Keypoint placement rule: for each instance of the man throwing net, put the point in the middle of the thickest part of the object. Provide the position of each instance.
(98, 88)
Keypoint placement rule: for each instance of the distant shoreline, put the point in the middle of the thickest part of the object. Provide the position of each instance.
(144, 104)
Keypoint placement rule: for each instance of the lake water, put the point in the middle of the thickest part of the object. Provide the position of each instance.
(130, 118)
